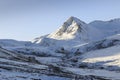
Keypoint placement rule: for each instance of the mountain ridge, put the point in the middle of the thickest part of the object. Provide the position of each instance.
(74, 30)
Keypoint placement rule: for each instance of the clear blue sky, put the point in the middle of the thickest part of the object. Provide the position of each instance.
(27, 19)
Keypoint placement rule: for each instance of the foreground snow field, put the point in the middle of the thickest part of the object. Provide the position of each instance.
(76, 51)
(108, 57)
(13, 75)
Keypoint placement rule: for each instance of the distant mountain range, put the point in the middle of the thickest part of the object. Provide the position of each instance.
(71, 34)
(77, 30)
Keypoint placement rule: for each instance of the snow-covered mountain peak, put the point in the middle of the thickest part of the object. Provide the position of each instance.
(73, 31)
(72, 20)
(70, 29)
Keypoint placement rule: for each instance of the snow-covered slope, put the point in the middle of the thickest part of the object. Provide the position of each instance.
(107, 27)
(39, 68)
(14, 43)
(27, 47)
(109, 56)
(14, 66)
